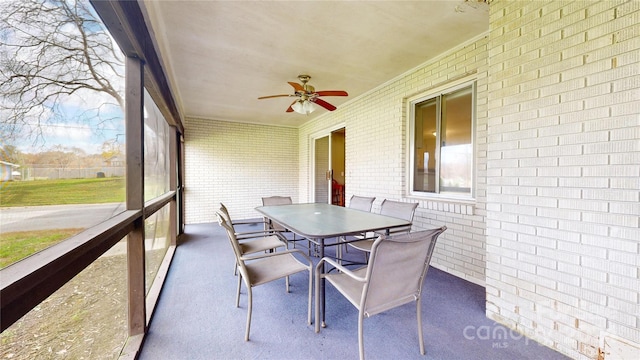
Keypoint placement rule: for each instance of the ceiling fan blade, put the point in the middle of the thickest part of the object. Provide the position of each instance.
(297, 86)
(332, 93)
(324, 104)
(290, 109)
(274, 96)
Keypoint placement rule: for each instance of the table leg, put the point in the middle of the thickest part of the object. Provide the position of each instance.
(322, 283)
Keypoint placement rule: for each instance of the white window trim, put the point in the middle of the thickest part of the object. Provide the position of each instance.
(410, 123)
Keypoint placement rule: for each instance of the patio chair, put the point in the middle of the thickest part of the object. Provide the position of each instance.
(361, 203)
(358, 203)
(337, 191)
(260, 269)
(254, 241)
(397, 209)
(223, 207)
(394, 276)
(271, 225)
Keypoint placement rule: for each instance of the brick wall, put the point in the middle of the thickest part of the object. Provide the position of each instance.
(376, 154)
(563, 171)
(237, 164)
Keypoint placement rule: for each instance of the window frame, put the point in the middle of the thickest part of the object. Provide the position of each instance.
(430, 94)
(30, 281)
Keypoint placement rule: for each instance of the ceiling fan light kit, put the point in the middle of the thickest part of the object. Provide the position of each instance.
(308, 97)
(303, 107)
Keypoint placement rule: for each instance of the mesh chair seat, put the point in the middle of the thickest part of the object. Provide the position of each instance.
(272, 268)
(261, 244)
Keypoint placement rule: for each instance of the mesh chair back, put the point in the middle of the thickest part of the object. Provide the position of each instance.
(276, 200)
(361, 203)
(231, 235)
(397, 268)
(225, 213)
(400, 210)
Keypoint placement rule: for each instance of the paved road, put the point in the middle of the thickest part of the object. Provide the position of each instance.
(56, 216)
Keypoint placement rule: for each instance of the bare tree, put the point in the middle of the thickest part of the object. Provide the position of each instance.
(51, 50)
(110, 151)
(11, 154)
(62, 157)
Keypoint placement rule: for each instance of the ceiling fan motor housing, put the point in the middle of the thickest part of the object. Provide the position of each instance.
(304, 79)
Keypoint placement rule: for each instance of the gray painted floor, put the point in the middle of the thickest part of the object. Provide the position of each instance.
(196, 317)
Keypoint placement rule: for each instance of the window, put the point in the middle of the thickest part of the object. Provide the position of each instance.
(441, 159)
(65, 126)
(156, 148)
(156, 183)
(63, 119)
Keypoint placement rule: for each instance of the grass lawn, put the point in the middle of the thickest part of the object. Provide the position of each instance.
(18, 245)
(15, 246)
(64, 191)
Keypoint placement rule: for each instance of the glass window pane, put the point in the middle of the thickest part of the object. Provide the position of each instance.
(62, 132)
(84, 319)
(456, 148)
(157, 241)
(156, 147)
(425, 146)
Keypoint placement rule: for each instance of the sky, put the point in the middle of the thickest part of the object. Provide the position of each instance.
(75, 124)
(77, 127)
(84, 119)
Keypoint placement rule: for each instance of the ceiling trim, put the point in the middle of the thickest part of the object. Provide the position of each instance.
(242, 122)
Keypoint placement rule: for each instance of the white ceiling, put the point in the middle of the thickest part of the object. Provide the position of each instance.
(220, 56)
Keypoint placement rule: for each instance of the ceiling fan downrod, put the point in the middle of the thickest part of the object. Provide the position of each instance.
(304, 79)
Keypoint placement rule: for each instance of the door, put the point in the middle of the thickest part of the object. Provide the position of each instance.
(337, 167)
(329, 167)
(321, 170)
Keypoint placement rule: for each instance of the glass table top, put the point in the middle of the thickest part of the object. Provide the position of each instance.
(325, 221)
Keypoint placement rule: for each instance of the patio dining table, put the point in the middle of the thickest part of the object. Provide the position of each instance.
(319, 222)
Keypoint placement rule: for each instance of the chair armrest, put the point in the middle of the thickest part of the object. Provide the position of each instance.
(374, 238)
(255, 234)
(252, 222)
(278, 253)
(338, 266)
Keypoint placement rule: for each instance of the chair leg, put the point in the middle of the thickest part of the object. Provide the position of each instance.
(310, 288)
(238, 292)
(317, 303)
(361, 334)
(420, 338)
(249, 309)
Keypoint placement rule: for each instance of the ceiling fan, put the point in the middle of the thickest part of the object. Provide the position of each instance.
(307, 96)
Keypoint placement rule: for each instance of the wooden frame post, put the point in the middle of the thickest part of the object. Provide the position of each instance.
(173, 185)
(134, 115)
